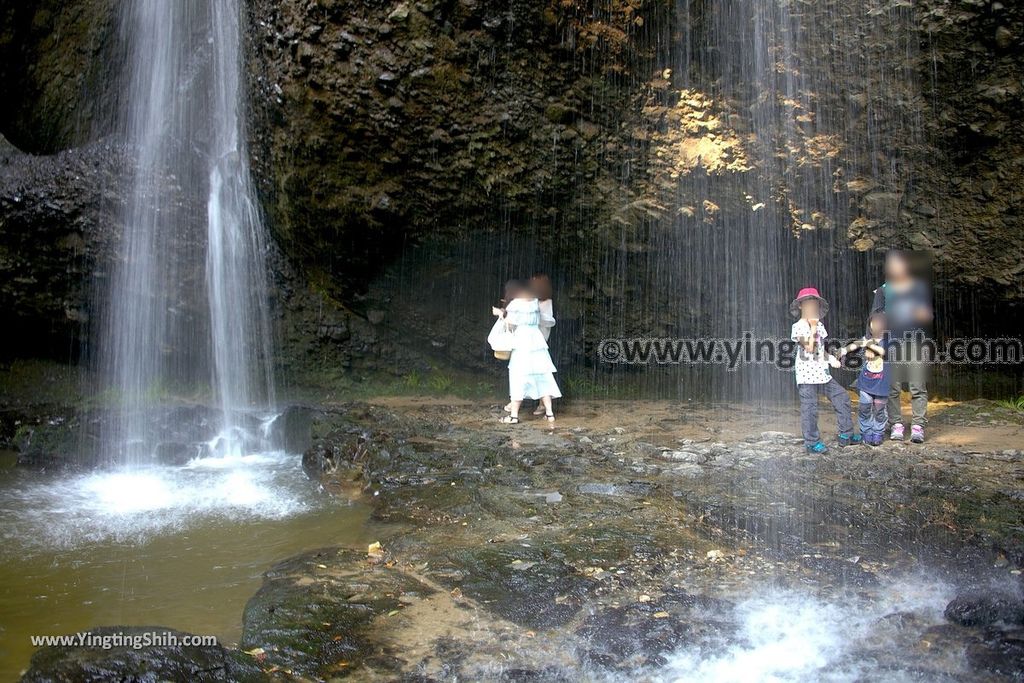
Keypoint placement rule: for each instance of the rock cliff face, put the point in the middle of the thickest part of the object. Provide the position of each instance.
(56, 232)
(625, 146)
(966, 199)
(411, 155)
(58, 66)
(378, 124)
(496, 131)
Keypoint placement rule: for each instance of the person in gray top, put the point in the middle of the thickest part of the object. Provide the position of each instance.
(906, 299)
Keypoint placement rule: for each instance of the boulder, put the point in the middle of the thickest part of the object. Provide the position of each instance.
(141, 653)
(314, 613)
(981, 607)
(292, 430)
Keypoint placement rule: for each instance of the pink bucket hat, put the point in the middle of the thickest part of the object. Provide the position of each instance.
(803, 295)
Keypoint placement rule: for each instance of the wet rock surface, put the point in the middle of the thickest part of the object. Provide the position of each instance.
(44, 438)
(401, 101)
(61, 437)
(640, 634)
(315, 614)
(999, 651)
(590, 551)
(421, 113)
(500, 577)
(173, 662)
(594, 549)
(984, 608)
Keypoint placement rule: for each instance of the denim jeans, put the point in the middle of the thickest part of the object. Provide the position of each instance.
(873, 413)
(809, 409)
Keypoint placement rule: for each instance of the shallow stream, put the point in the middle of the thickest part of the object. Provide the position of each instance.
(183, 547)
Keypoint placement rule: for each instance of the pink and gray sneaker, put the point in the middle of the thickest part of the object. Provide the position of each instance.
(897, 432)
(916, 434)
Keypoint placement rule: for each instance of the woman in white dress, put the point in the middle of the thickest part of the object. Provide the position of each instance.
(530, 370)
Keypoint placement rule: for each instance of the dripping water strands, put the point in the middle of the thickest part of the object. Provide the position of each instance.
(185, 314)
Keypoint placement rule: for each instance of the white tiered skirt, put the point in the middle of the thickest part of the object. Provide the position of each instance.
(530, 370)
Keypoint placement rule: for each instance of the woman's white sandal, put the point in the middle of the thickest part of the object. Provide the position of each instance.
(550, 417)
(509, 420)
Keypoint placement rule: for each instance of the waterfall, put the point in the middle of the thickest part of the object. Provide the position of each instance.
(235, 269)
(184, 314)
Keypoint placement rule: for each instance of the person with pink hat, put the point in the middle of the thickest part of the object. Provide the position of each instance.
(812, 372)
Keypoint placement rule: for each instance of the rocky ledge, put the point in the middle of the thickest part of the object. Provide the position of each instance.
(635, 535)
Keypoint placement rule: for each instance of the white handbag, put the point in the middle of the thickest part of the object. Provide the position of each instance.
(500, 339)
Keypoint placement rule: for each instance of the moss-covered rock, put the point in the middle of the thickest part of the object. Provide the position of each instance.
(160, 655)
(314, 614)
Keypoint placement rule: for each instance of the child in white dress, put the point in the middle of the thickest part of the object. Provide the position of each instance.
(530, 370)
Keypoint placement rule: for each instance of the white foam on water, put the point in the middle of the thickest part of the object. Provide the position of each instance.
(786, 637)
(132, 505)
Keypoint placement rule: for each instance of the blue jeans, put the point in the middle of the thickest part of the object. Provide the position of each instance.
(809, 409)
(873, 413)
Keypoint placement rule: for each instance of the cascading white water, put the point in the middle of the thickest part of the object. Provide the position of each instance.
(791, 636)
(235, 269)
(187, 302)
